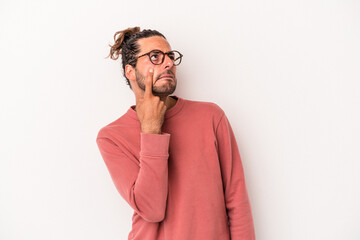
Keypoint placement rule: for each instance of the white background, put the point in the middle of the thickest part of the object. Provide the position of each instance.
(286, 73)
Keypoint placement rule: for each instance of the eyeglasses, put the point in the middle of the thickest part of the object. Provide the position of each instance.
(157, 57)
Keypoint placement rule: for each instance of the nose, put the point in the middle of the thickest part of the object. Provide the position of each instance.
(168, 63)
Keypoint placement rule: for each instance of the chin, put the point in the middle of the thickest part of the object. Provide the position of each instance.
(163, 93)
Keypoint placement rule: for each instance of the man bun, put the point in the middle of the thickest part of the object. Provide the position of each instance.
(120, 38)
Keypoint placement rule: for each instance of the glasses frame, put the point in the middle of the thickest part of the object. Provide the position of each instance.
(167, 53)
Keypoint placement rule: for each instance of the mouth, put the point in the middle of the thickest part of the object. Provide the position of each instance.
(166, 77)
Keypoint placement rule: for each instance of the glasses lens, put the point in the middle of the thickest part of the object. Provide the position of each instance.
(175, 56)
(156, 57)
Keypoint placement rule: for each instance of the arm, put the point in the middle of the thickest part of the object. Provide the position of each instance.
(236, 197)
(143, 185)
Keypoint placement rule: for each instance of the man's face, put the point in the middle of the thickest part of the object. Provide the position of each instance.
(164, 79)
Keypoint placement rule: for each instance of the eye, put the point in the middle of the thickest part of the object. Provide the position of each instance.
(154, 56)
(171, 56)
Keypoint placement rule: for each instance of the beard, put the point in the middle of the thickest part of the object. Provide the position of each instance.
(164, 89)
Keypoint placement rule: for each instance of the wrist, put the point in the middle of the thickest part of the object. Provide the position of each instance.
(151, 131)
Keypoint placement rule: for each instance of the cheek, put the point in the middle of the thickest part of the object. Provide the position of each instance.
(145, 71)
(174, 71)
(157, 73)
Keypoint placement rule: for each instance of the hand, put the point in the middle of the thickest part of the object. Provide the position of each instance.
(149, 108)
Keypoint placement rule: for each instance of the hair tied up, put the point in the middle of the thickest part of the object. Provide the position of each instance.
(120, 39)
(126, 45)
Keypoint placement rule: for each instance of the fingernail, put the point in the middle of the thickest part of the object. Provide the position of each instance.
(151, 70)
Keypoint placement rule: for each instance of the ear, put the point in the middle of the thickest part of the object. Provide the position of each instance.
(130, 72)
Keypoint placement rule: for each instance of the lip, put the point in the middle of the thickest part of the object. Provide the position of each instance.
(166, 76)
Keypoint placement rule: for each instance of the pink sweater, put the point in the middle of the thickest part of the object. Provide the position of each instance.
(184, 184)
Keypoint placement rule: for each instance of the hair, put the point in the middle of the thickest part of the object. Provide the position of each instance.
(126, 45)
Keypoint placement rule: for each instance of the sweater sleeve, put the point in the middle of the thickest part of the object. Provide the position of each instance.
(236, 198)
(142, 183)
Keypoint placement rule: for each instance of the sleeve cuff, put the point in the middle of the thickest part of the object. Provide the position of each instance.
(155, 144)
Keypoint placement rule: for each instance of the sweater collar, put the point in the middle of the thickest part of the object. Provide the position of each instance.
(168, 114)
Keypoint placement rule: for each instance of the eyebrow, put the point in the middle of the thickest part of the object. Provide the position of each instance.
(161, 51)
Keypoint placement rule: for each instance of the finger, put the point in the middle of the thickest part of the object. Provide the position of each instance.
(149, 83)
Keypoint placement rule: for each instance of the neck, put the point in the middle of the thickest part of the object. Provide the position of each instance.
(169, 101)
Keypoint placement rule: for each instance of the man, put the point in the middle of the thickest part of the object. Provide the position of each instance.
(174, 161)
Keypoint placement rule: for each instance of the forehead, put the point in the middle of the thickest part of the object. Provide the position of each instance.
(154, 42)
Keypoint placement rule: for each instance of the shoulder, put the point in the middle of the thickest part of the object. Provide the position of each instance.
(204, 111)
(115, 129)
(204, 107)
